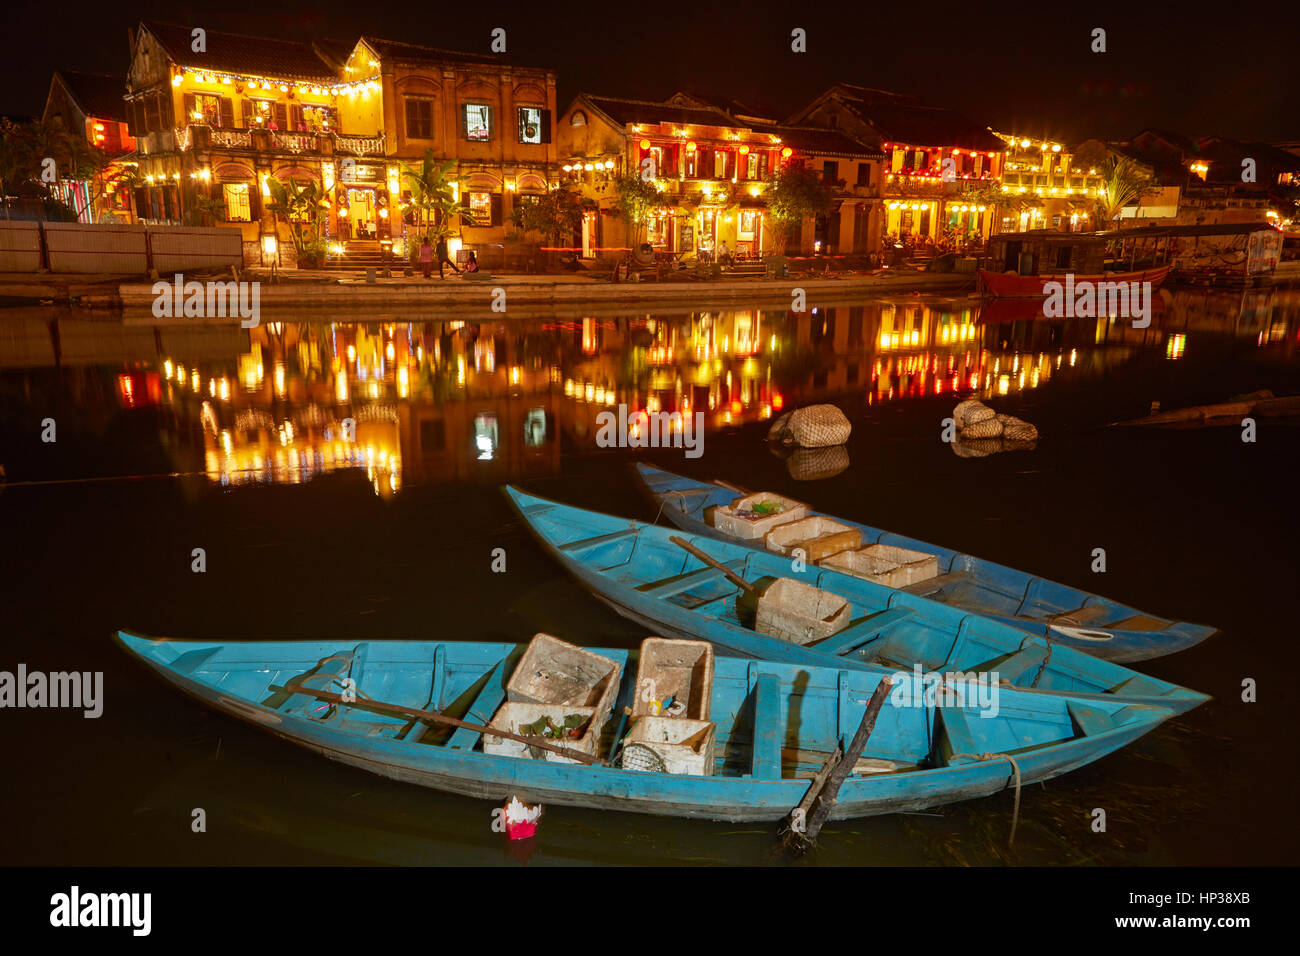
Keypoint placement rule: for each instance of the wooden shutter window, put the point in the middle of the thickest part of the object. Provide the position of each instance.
(546, 126)
(191, 104)
(281, 116)
(225, 112)
(496, 210)
(296, 118)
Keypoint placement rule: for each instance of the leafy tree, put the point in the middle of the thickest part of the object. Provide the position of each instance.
(637, 199)
(556, 215)
(793, 193)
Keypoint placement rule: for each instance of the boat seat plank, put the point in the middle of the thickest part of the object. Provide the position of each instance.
(1138, 686)
(669, 587)
(588, 543)
(960, 739)
(485, 705)
(766, 761)
(930, 585)
(1091, 721)
(1018, 663)
(1080, 615)
(855, 635)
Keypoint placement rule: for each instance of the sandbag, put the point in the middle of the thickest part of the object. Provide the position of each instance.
(988, 428)
(814, 426)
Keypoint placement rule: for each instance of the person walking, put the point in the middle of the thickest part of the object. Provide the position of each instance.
(426, 257)
(443, 258)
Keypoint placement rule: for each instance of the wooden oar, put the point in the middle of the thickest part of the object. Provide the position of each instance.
(398, 710)
(729, 486)
(732, 576)
(827, 785)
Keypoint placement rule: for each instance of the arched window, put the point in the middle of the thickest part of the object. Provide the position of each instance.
(579, 118)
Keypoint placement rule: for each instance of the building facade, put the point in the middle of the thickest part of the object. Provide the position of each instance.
(711, 168)
(1045, 187)
(942, 171)
(91, 106)
(217, 125)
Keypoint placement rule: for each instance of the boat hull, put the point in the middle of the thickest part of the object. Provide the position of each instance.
(471, 773)
(1012, 286)
(993, 590)
(626, 562)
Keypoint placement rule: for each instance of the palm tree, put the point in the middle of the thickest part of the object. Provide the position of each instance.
(299, 207)
(1123, 181)
(431, 195)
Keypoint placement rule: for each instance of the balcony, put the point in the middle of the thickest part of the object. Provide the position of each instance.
(204, 137)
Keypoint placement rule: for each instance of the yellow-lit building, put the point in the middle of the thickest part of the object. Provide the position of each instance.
(711, 168)
(1045, 187)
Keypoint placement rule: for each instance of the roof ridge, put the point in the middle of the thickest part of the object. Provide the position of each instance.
(307, 44)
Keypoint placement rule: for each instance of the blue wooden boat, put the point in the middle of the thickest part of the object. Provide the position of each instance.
(1076, 618)
(776, 723)
(636, 569)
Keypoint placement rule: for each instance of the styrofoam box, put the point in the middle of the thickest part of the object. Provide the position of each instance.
(725, 519)
(817, 537)
(886, 564)
(513, 715)
(686, 746)
(553, 671)
(800, 613)
(679, 669)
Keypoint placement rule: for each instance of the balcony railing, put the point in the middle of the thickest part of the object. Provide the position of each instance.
(202, 136)
(359, 145)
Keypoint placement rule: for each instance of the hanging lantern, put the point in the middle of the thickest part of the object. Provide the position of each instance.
(744, 150)
(787, 153)
(645, 144)
(690, 147)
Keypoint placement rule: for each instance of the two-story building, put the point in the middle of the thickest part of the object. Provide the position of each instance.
(91, 106)
(1045, 187)
(942, 171)
(711, 169)
(216, 120)
(491, 118)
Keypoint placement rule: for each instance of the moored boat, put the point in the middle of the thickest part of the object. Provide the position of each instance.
(1080, 619)
(646, 576)
(776, 724)
(1010, 285)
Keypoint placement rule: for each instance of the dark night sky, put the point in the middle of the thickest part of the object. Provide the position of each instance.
(1022, 68)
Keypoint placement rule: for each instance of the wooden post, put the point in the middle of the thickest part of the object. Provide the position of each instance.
(818, 804)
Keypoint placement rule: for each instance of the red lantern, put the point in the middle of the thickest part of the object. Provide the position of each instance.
(787, 153)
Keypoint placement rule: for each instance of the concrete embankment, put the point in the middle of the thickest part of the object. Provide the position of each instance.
(567, 291)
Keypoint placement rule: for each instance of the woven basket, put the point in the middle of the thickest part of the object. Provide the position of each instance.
(972, 449)
(816, 426)
(814, 464)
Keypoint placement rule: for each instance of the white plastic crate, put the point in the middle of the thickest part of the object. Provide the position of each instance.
(512, 716)
(553, 671)
(800, 613)
(728, 518)
(817, 537)
(886, 564)
(684, 745)
(682, 670)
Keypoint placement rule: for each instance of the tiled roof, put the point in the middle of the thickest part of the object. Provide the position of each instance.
(96, 94)
(234, 53)
(813, 139)
(902, 119)
(401, 50)
(623, 111)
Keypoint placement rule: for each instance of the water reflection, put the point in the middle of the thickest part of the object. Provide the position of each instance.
(491, 401)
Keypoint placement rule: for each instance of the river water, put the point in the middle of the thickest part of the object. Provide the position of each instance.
(179, 437)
